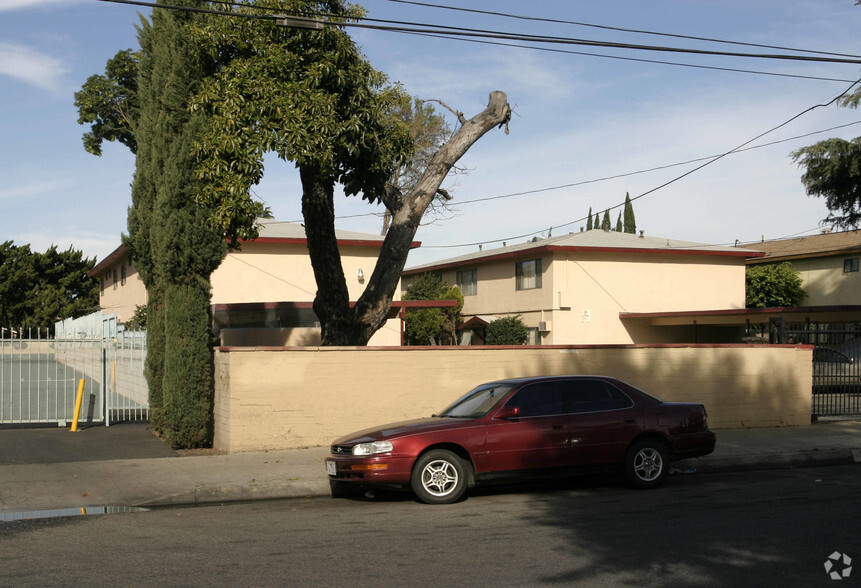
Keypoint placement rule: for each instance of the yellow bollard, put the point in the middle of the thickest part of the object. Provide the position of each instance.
(78, 405)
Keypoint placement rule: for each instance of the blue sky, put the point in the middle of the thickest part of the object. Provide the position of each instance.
(577, 119)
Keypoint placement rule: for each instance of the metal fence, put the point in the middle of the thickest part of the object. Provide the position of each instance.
(836, 365)
(39, 377)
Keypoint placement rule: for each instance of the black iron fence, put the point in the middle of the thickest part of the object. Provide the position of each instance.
(836, 363)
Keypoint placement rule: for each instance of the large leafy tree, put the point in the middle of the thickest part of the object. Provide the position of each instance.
(310, 96)
(773, 285)
(39, 289)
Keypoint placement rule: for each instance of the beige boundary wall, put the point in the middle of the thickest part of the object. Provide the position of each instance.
(280, 398)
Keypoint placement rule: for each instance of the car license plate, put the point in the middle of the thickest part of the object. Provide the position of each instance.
(331, 468)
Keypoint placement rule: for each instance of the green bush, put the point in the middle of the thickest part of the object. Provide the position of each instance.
(506, 331)
(773, 285)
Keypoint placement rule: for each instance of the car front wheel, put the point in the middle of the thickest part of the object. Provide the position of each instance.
(439, 477)
(647, 463)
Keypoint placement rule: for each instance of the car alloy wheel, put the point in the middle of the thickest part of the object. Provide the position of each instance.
(646, 463)
(439, 477)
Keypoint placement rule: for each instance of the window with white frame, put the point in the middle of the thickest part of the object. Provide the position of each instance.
(528, 274)
(467, 282)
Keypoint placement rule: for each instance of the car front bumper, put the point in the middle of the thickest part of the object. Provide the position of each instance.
(376, 469)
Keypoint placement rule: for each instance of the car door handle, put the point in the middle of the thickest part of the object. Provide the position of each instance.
(630, 421)
(558, 427)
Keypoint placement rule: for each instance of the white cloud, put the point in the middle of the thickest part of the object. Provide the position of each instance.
(9, 5)
(48, 187)
(30, 66)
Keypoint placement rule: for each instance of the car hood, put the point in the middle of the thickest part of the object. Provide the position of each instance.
(402, 429)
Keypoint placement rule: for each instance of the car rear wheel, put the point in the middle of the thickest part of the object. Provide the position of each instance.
(439, 477)
(647, 463)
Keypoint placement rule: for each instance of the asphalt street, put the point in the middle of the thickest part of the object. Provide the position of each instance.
(765, 528)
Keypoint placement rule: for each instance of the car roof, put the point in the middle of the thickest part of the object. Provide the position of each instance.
(547, 378)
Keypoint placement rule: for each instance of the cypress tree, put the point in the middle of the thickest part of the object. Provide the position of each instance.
(589, 220)
(605, 223)
(630, 221)
(171, 239)
(619, 223)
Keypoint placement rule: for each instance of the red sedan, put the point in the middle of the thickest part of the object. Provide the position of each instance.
(525, 428)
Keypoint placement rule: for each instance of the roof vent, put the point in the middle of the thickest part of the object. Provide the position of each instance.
(824, 231)
(642, 234)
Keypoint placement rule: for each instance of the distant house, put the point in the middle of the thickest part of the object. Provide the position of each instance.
(600, 287)
(263, 293)
(828, 264)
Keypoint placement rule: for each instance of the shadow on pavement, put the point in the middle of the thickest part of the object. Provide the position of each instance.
(21, 446)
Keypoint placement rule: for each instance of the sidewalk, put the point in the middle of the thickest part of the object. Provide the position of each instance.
(113, 479)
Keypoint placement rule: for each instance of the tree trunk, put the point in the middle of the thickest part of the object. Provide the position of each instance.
(342, 325)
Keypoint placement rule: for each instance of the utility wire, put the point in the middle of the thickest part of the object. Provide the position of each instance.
(635, 59)
(665, 184)
(539, 19)
(610, 28)
(485, 34)
(605, 178)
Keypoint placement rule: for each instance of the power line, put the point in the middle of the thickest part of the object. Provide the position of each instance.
(635, 59)
(665, 184)
(486, 34)
(605, 178)
(611, 28)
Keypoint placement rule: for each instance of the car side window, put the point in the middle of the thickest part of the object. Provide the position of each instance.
(540, 399)
(596, 395)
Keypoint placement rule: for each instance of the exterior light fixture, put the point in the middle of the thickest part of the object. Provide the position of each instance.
(361, 274)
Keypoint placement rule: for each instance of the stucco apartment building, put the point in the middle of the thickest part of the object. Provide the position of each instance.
(828, 264)
(261, 294)
(602, 287)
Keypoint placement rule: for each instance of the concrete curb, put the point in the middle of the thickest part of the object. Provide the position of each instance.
(772, 461)
(231, 492)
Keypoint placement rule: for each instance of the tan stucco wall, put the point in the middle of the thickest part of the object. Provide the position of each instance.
(826, 284)
(261, 272)
(119, 298)
(286, 398)
(583, 293)
(267, 272)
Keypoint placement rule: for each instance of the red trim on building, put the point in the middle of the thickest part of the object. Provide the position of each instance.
(777, 310)
(304, 241)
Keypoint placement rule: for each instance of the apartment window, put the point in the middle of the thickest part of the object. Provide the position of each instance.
(850, 265)
(104, 281)
(123, 275)
(533, 336)
(115, 279)
(467, 282)
(528, 274)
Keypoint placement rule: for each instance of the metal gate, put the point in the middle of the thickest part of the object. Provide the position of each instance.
(39, 375)
(836, 364)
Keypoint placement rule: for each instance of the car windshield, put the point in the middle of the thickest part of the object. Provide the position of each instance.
(477, 402)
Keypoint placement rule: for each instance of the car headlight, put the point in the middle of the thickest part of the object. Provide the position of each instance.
(372, 448)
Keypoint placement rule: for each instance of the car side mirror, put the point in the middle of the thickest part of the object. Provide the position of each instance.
(508, 412)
